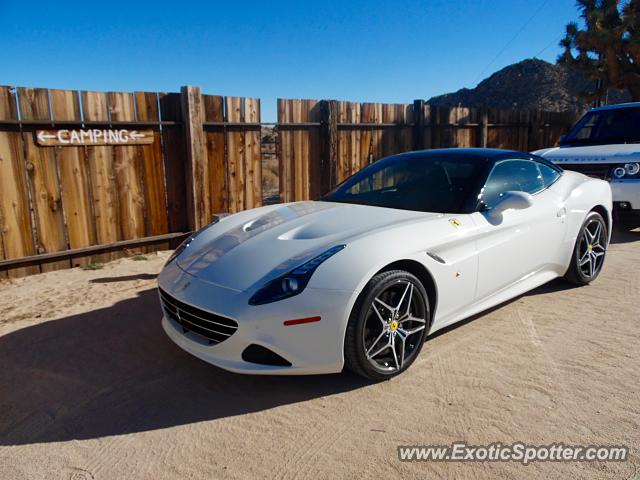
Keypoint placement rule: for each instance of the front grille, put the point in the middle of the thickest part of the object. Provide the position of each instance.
(210, 326)
(597, 170)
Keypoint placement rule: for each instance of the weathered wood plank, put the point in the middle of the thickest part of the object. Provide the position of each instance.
(153, 167)
(74, 177)
(65, 105)
(214, 112)
(128, 171)
(15, 224)
(235, 155)
(174, 164)
(284, 152)
(43, 181)
(104, 189)
(252, 154)
(34, 104)
(8, 109)
(198, 194)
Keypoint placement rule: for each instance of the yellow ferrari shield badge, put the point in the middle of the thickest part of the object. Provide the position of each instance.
(455, 222)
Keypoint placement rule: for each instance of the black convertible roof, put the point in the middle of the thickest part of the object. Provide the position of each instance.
(480, 153)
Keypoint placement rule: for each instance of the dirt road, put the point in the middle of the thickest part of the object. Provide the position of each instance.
(90, 387)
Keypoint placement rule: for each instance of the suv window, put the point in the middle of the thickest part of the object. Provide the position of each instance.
(512, 175)
(601, 127)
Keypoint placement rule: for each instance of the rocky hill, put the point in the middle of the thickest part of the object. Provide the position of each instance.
(530, 84)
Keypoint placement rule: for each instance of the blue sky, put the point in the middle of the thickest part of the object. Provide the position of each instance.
(379, 51)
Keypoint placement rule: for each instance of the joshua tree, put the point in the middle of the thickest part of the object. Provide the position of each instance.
(608, 49)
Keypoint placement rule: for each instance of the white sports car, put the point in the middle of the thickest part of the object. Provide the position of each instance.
(406, 246)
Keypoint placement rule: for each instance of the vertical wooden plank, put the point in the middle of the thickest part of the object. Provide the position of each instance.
(65, 105)
(104, 190)
(235, 154)
(214, 112)
(252, 154)
(128, 171)
(198, 196)
(483, 128)
(298, 156)
(74, 177)
(355, 134)
(328, 145)
(43, 179)
(15, 224)
(418, 124)
(16, 235)
(173, 146)
(426, 113)
(314, 114)
(284, 160)
(367, 115)
(34, 104)
(7, 103)
(152, 167)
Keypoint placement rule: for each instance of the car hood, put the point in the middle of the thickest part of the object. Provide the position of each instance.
(617, 153)
(253, 247)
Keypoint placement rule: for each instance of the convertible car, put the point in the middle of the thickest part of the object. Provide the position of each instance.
(359, 279)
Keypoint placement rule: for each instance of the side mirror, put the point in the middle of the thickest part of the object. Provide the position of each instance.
(513, 200)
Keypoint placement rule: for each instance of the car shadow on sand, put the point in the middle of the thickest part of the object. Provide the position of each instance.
(113, 371)
(621, 236)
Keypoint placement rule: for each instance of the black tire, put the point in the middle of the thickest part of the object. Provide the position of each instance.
(586, 249)
(406, 329)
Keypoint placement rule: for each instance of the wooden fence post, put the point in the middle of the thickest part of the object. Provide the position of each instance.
(418, 124)
(197, 174)
(328, 145)
(534, 131)
(483, 128)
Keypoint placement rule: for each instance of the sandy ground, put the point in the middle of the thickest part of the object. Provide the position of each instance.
(90, 387)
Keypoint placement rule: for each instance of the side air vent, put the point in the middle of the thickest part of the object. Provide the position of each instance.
(263, 356)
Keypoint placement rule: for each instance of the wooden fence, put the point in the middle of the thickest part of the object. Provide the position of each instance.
(324, 142)
(69, 205)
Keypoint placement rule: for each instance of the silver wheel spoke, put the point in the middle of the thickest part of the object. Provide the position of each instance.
(391, 309)
(596, 233)
(382, 349)
(409, 289)
(406, 333)
(401, 350)
(393, 349)
(382, 320)
(412, 319)
(375, 342)
(585, 259)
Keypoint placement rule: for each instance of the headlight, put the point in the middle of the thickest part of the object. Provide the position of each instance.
(293, 282)
(632, 168)
(626, 170)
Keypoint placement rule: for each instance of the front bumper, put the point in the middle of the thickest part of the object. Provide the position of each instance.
(311, 348)
(626, 191)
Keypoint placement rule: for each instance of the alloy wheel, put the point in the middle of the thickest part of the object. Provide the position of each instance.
(593, 245)
(394, 327)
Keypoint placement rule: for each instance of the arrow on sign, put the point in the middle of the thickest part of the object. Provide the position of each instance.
(135, 134)
(44, 136)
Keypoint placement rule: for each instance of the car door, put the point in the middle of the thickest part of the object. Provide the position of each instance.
(516, 243)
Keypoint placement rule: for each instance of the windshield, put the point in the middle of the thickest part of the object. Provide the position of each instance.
(426, 183)
(606, 127)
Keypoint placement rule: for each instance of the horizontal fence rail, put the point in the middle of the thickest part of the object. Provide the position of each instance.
(84, 175)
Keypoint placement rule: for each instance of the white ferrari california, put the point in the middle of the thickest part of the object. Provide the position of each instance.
(405, 247)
